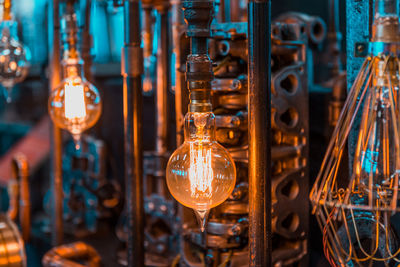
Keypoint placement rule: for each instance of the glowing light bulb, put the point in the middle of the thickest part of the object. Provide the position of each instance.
(150, 64)
(14, 57)
(74, 102)
(201, 173)
(75, 105)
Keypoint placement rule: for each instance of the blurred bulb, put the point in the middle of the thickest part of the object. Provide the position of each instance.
(150, 64)
(14, 57)
(75, 105)
(200, 173)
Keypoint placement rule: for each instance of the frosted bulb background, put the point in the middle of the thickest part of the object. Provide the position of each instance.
(14, 57)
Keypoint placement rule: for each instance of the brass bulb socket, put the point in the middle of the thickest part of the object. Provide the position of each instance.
(386, 29)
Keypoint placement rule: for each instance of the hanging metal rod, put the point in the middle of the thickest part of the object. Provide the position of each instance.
(259, 107)
(132, 70)
(56, 142)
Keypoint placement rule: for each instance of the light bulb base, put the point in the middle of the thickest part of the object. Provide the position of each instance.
(200, 107)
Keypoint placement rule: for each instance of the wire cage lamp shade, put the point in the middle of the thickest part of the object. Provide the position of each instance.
(357, 204)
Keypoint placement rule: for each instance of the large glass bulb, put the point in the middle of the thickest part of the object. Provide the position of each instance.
(75, 105)
(14, 57)
(201, 173)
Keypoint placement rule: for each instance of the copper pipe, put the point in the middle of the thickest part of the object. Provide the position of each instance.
(11, 243)
(56, 142)
(148, 32)
(181, 95)
(68, 255)
(13, 195)
(87, 41)
(132, 70)
(19, 193)
(7, 10)
(259, 110)
(163, 79)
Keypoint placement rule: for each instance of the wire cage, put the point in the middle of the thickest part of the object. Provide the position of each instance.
(356, 204)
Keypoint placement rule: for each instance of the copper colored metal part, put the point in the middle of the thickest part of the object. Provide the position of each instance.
(68, 255)
(35, 146)
(12, 253)
(18, 190)
(7, 10)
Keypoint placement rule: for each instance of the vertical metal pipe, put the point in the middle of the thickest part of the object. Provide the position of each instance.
(163, 80)
(56, 142)
(259, 101)
(7, 10)
(86, 41)
(147, 34)
(132, 70)
(180, 93)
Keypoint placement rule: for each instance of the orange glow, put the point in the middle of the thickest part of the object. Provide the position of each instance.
(74, 102)
(200, 171)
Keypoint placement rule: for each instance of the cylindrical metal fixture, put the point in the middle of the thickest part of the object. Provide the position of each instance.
(7, 10)
(56, 142)
(259, 106)
(163, 80)
(20, 203)
(87, 41)
(180, 93)
(199, 72)
(132, 70)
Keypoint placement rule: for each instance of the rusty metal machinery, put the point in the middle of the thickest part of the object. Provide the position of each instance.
(227, 230)
(89, 194)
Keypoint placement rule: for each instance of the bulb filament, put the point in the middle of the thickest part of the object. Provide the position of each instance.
(74, 102)
(200, 171)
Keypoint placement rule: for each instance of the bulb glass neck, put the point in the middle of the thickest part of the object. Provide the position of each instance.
(73, 68)
(199, 127)
(8, 28)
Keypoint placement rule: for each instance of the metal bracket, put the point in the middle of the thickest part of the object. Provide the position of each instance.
(363, 49)
(132, 61)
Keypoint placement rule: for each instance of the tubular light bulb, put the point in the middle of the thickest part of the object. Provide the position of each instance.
(200, 173)
(75, 105)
